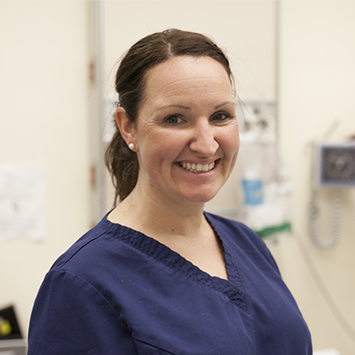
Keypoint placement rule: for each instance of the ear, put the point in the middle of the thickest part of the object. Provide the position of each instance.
(125, 126)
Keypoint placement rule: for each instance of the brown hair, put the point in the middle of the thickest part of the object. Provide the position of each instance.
(148, 52)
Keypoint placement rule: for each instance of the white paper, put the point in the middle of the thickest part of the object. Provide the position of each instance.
(22, 196)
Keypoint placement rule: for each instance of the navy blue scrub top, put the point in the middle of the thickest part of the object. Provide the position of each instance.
(118, 291)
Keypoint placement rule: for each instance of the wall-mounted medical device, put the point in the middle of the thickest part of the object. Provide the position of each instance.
(334, 165)
(333, 168)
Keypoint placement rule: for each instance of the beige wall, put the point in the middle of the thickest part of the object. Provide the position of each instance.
(317, 82)
(244, 28)
(44, 118)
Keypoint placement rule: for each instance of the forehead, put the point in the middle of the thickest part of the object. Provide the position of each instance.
(183, 76)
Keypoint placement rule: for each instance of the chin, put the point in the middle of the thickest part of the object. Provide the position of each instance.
(201, 198)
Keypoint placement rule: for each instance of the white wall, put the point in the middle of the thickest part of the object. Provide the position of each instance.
(317, 82)
(44, 118)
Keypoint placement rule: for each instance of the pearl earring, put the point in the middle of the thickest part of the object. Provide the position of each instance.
(131, 146)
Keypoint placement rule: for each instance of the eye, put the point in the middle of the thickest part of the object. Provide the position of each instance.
(172, 119)
(221, 116)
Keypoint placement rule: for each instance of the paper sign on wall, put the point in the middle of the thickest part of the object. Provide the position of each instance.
(22, 195)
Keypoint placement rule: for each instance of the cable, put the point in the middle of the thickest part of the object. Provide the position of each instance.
(323, 288)
(313, 225)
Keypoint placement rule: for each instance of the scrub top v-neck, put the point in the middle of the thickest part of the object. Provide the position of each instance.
(118, 291)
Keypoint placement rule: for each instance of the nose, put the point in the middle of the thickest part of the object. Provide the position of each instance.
(203, 141)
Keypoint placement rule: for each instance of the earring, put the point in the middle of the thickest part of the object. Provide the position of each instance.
(131, 146)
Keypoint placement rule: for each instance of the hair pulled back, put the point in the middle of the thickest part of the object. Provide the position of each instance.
(148, 52)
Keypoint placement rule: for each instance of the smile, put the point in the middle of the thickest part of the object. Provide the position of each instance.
(198, 168)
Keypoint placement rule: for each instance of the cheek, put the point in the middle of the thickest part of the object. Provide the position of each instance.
(231, 143)
(231, 150)
(165, 142)
(158, 149)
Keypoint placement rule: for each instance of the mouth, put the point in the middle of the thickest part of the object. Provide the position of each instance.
(197, 168)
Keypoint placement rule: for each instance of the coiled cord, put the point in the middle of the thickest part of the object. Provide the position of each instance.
(325, 243)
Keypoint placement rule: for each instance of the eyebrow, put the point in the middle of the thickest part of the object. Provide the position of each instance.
(174, 105)
(225, 103)
(189, 108)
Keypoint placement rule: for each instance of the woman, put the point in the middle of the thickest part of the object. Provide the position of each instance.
(158, 275)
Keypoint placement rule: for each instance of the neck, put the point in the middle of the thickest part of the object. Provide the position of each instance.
(154, 215)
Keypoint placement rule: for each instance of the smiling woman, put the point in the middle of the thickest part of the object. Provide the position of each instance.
(187, 118)
(158, 275)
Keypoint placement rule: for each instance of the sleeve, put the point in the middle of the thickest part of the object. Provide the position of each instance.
(70, 316)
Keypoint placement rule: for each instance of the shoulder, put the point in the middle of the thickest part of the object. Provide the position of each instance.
(102, 248)
(241, 240)
(233, 228)
(97, 235)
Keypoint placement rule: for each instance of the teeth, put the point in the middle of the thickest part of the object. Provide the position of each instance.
(197, 168)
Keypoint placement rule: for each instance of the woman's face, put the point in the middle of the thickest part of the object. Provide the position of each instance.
(186, 132)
